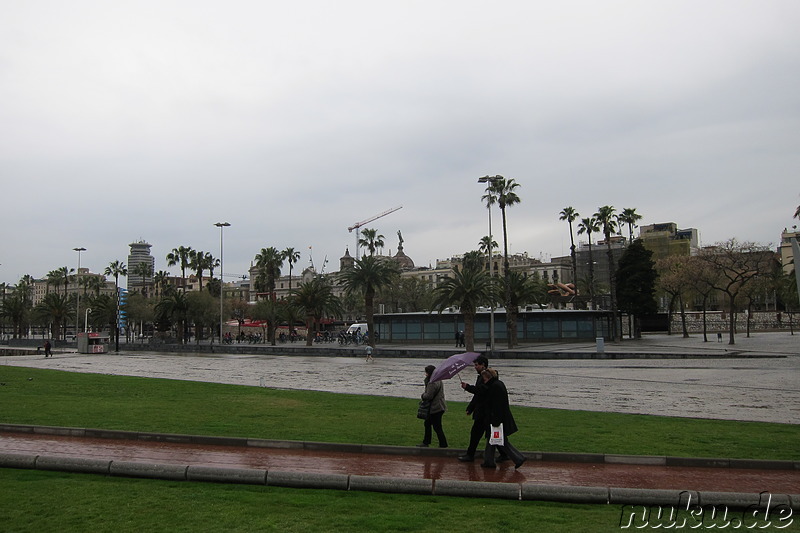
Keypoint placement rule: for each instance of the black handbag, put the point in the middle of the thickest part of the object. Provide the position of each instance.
(424, 409)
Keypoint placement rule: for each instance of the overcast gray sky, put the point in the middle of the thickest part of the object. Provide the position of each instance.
(293, 120)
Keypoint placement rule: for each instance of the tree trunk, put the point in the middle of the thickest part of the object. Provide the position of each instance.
(732, 313)
(683, 317)
(469, 332)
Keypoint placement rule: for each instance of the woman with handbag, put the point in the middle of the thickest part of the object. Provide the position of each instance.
(434, 395)
(500, 417)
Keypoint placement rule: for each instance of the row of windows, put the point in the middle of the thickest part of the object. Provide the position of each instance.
(539, 327)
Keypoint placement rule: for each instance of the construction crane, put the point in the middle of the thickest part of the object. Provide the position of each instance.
(357, 225)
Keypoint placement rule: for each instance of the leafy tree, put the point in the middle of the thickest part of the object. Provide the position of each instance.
(570, 215)
(316, 300)
(368, 275)
(161, 282)
(140, 310)
(673, 280)
(637, 284)
(202, 311)
(270, 311)
(16, 309)
(737, 264)
(104, 312)
(700, 277)
(182, 256)
(468, 289)
(268, 262)
(200, 262)
(371, 240)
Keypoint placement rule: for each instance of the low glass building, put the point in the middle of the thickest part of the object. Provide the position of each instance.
(534, 325)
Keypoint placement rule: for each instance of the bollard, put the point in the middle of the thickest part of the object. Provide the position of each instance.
(601, 346)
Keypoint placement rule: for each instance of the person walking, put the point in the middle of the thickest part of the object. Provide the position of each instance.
(477, 408)
(499, 412)
(434, 393)
(47, 347)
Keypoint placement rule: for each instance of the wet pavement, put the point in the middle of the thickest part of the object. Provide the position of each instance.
(408, 465)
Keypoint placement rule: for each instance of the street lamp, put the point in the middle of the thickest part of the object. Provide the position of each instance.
(220, 225)
(491, 180)
(78, 291)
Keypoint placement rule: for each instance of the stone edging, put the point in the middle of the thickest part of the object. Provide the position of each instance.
(566, 457)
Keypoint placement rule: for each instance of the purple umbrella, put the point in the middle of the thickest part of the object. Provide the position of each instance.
(453, 365)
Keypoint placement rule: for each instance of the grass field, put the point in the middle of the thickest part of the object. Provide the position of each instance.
(40, 501)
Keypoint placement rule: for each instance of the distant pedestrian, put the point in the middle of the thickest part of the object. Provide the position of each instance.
(719, 336)
(47, 346)
(368, 351)
(458, 338)
(462, 338)
(434, 393)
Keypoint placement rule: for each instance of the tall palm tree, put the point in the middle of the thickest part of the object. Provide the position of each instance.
(160, 280)
(291, 256)
(369, 275)
(371, 240)
(503, 192)
(468, 288)
(570, 215)
(269, 262)
(588, 226)
(116, 268)
(200, 262)
(317, 301)
(608, 222)
(630, 217)
(182, 256)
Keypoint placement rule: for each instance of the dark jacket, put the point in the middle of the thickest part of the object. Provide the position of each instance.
(498, 409)
(479, 403)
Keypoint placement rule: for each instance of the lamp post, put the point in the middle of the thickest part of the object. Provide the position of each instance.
(78, 291)
(86, 319)
(491, 180)
(220, 225)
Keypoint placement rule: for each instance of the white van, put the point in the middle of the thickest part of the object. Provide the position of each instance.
(354, 327)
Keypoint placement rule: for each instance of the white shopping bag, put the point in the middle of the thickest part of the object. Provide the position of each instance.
(496, 435)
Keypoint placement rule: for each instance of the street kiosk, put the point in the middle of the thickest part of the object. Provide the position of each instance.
(93, 343)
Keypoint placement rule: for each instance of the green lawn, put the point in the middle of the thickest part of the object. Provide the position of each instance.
(41, 501)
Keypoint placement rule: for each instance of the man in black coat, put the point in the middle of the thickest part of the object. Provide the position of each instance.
(499, 412)
(478, 409)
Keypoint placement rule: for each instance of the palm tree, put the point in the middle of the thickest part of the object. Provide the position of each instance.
(468, 288)
(144, 270)
(174, 309)
(116, 268)
(570, 215)
(524, 290)
(200, 262)
(54, 309)
(369, 275)
(182, 255)
(371, 240)
(630, 217)
(160, 280)
(316, 300)
(588, 226)
(291, 256)
(502, 190)
(269, 262)
(486, 245)
(608, 222)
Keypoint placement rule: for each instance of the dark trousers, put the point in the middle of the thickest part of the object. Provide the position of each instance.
(505, 450)
(477, 432)
(434, 421)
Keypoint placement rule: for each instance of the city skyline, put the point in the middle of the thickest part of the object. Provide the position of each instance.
(156, 120)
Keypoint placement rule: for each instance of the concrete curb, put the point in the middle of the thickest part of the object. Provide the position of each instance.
(566, 457)
(423, 487)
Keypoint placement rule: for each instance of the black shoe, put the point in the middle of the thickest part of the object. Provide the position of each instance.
(484, 465)
(443, 446)
(466, 458)
(519, 464)
(422, 445)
